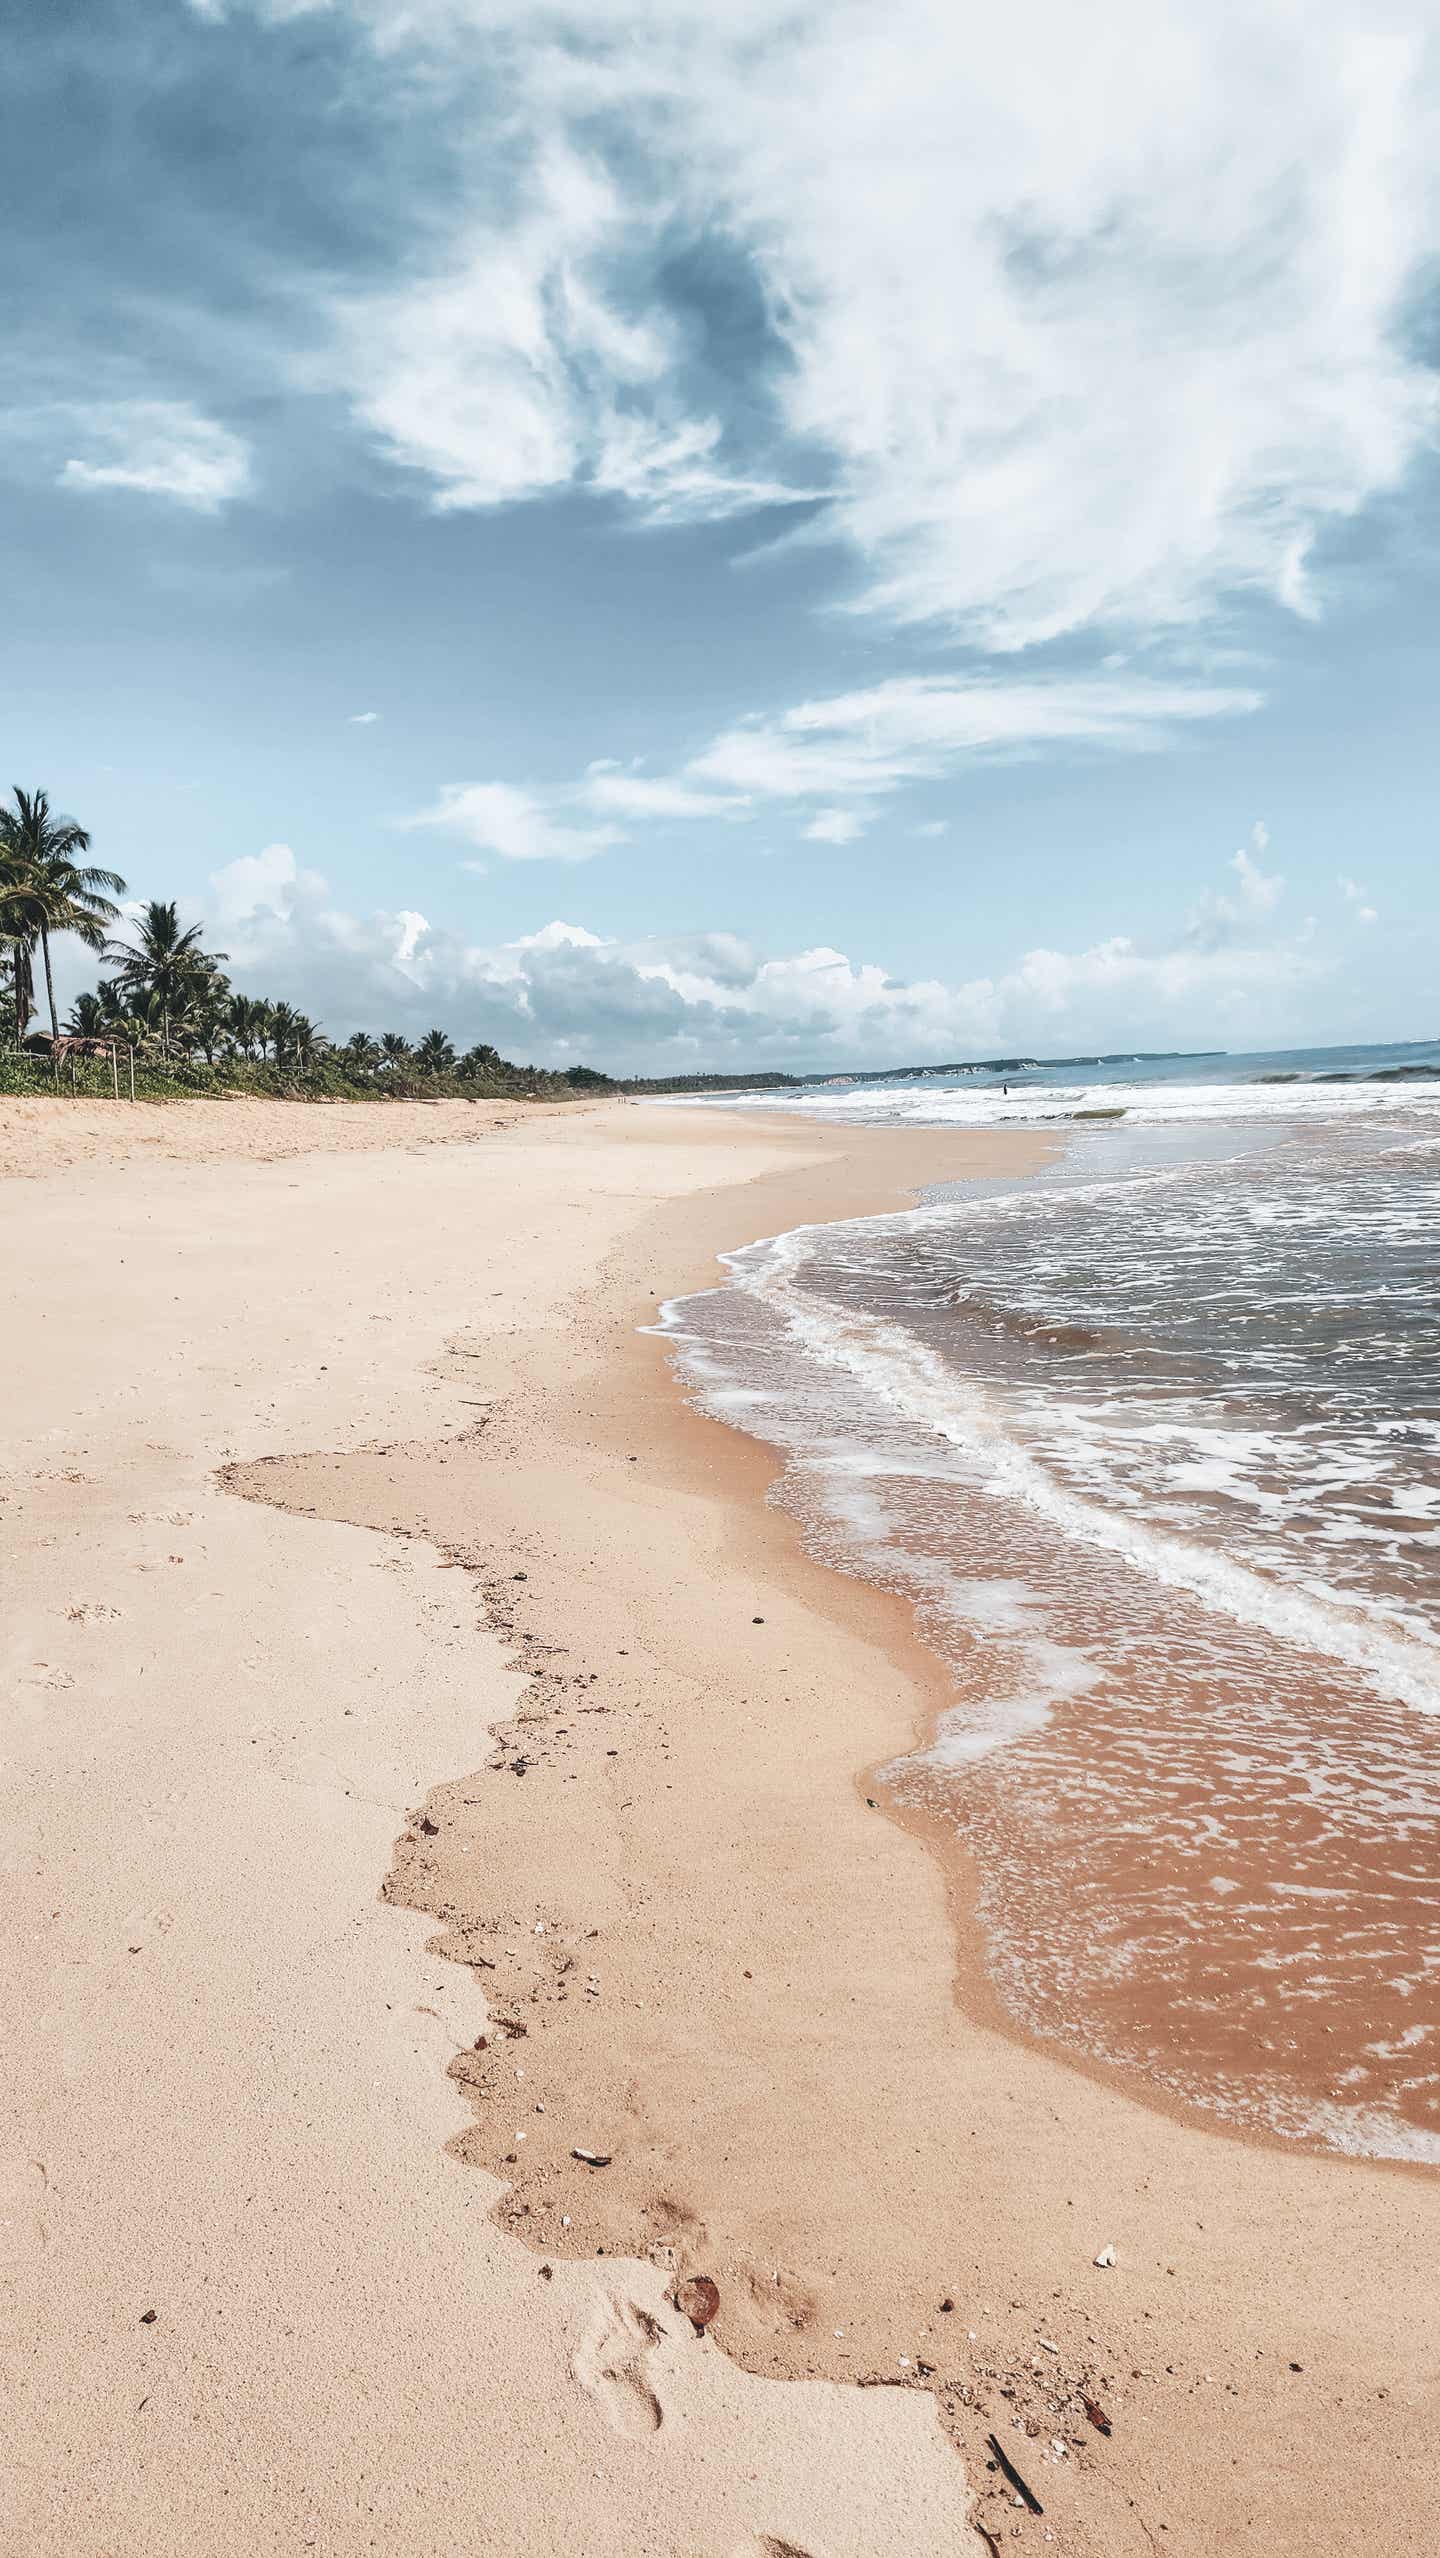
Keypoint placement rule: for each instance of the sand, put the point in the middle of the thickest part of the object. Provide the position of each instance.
(245, 2095)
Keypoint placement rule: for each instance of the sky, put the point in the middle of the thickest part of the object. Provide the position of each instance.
(782, 534)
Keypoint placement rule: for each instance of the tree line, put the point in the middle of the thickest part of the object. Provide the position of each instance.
(168, 999)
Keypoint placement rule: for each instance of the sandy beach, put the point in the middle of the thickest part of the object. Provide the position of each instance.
(430, 1763)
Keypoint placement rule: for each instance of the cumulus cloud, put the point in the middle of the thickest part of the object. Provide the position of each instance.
(1099, 348)
(565, 992)
(156, 448)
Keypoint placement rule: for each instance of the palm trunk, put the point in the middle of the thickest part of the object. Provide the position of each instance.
(50, 984)
(24, 992)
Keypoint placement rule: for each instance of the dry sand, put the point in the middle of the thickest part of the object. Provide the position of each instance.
(228, 2092)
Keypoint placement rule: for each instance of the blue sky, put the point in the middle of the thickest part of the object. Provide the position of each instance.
(788, 535)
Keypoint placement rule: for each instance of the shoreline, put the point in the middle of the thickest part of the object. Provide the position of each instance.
(838, 2142)
(675, 2199)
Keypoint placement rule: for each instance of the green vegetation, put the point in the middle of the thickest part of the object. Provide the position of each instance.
(710, 1083)
(168, 1000)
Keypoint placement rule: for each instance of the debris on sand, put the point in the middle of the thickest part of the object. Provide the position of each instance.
(698, 2300)
(592, 2157)
(1004, 2462)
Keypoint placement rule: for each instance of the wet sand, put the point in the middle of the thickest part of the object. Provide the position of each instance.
(685, 1943)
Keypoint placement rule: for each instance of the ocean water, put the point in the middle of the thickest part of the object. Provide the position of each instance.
(1151, 1442)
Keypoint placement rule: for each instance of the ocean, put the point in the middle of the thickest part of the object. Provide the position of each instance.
(1151, 1442)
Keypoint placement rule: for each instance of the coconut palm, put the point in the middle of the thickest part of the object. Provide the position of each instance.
(394, 1048)
(308, 1041)
(166, 960)
(435, 1056)
(480, 1060)
(137, 1019)
(207, 1023)
(87, 1019)
(360, 1053)
(17, 982)
(281, 1036)
(247, 1023)
(45, 889)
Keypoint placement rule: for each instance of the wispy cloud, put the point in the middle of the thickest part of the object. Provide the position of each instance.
(626, 792)
(915, 728)
(497, 818)
(362, 719)
(154, 448)
(862, 745)
(1056, 354)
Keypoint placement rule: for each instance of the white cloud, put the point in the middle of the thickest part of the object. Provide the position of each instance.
(1259, 890)
(915, 727)
(264, 883)
(520, 367)
(497, 818)
(628, 793)
(158, 448)
(1217, 920)
(863, 745)
(1098, 347)
(363, 719)
(835, 826)
(565, 992)
(1358, 898)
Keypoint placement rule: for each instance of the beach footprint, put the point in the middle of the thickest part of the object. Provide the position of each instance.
(611, 2365)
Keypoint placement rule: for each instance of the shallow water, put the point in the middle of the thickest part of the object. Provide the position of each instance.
(1152, 1441)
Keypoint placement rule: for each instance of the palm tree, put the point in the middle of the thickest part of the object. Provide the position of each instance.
(137, 1019)
(17, 984)
(308, 1041)
(480, 1060)
(208, 1024)
(360, 1053)
(282, 1032)
(87, 1018)
(246, 1023)
(394, 1048)
(44, 889)
(166, 961)
(434, 1056)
